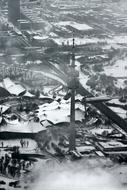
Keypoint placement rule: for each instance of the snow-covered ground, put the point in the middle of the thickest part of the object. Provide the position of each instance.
(120, 39)
(120, 83)
(16, 142)
(7, 181)
(119, 69)
(52, 34)
(89, 173)
(31, 149)
(47, 89)
(120, 172)
(75, 25)
(114, 41)
(82, 77)
(78, 41)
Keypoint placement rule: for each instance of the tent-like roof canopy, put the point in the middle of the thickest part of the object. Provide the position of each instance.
(22, 127)
(58, 113)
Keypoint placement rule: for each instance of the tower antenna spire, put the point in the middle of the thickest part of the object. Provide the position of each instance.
(73, 40)
(73, 51)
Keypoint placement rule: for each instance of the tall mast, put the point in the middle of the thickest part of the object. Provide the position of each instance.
(73, 85)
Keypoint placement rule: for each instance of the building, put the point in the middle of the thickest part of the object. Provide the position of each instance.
(13, 11)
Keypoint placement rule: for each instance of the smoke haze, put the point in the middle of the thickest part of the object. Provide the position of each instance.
(84, 175)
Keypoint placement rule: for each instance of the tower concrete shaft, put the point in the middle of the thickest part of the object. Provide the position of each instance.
(72, 144)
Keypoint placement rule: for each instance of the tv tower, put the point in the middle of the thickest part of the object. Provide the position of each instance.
(73, 85)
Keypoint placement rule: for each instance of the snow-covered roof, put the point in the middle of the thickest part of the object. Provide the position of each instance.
(37, 37)
(22, 127)
(46, 123)
(28, 94)
(85, 148)
(4, 108)
(52, 106)
(112, 144)
(79, 97)
(44, 97)
(1, 84)
(7, 83)
(78, 26)
(100, 131)
(15, 89)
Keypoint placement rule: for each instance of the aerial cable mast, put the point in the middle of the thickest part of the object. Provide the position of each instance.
(73, 85)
